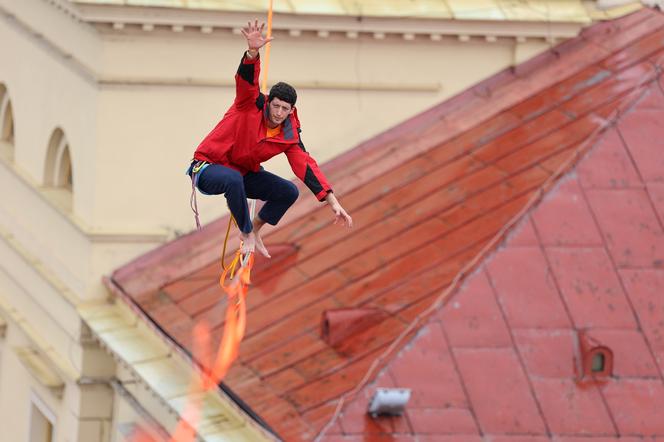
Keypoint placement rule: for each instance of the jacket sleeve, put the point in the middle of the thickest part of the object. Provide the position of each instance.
(246, 81)
(307, 170)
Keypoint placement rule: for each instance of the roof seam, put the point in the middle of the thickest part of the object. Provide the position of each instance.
(404, 208)
(277, 344)
(339, 368)
(516, 351)
(378, 294)
(624, 292)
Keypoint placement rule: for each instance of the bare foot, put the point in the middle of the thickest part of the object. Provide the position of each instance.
(261, 247)
(248, 242)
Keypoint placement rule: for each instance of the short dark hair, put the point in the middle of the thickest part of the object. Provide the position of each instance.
(283, 91)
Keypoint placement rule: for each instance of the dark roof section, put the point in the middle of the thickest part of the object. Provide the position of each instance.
(430, 198)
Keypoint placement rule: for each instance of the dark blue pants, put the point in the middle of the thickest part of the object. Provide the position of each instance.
(279, 194)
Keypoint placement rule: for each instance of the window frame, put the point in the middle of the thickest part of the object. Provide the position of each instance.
(58, 168)
(38, 404)
(7, 124)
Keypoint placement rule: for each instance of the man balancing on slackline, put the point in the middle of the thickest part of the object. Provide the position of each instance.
(254, 129)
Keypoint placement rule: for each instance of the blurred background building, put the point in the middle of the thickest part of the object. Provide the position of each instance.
(101, 106)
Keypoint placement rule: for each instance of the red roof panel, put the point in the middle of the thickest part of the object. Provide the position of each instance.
(430, 198)
(587, 258)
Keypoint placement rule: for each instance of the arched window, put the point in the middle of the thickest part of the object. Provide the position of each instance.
(58, 171)
(58, 177)
(6, 124)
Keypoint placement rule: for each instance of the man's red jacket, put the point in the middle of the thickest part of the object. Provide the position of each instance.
(239, 139)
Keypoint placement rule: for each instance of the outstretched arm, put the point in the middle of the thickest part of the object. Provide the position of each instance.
(307, 170)
(246, 79)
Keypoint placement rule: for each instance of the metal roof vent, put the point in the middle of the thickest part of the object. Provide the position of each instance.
(389, 401)
(341, 323)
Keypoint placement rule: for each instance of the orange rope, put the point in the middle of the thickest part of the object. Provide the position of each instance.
(228, 231)
(267, 48)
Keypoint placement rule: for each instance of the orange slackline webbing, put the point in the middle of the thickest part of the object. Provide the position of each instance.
(228, 351)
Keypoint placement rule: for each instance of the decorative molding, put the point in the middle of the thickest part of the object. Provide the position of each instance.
(325, 85)
(40, 368)
(67, 7)
(61, 364)
(138, 19)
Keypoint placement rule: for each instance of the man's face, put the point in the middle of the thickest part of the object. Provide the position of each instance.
(278, 111)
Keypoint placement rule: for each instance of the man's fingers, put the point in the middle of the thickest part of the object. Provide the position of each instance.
(348, 220)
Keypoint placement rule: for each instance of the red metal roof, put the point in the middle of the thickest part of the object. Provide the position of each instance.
(500, 359)
(430, 199)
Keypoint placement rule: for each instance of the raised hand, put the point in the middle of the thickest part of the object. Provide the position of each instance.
(254, 35)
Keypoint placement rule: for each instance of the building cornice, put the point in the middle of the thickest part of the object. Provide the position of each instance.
(40, 345)
(119, 19)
